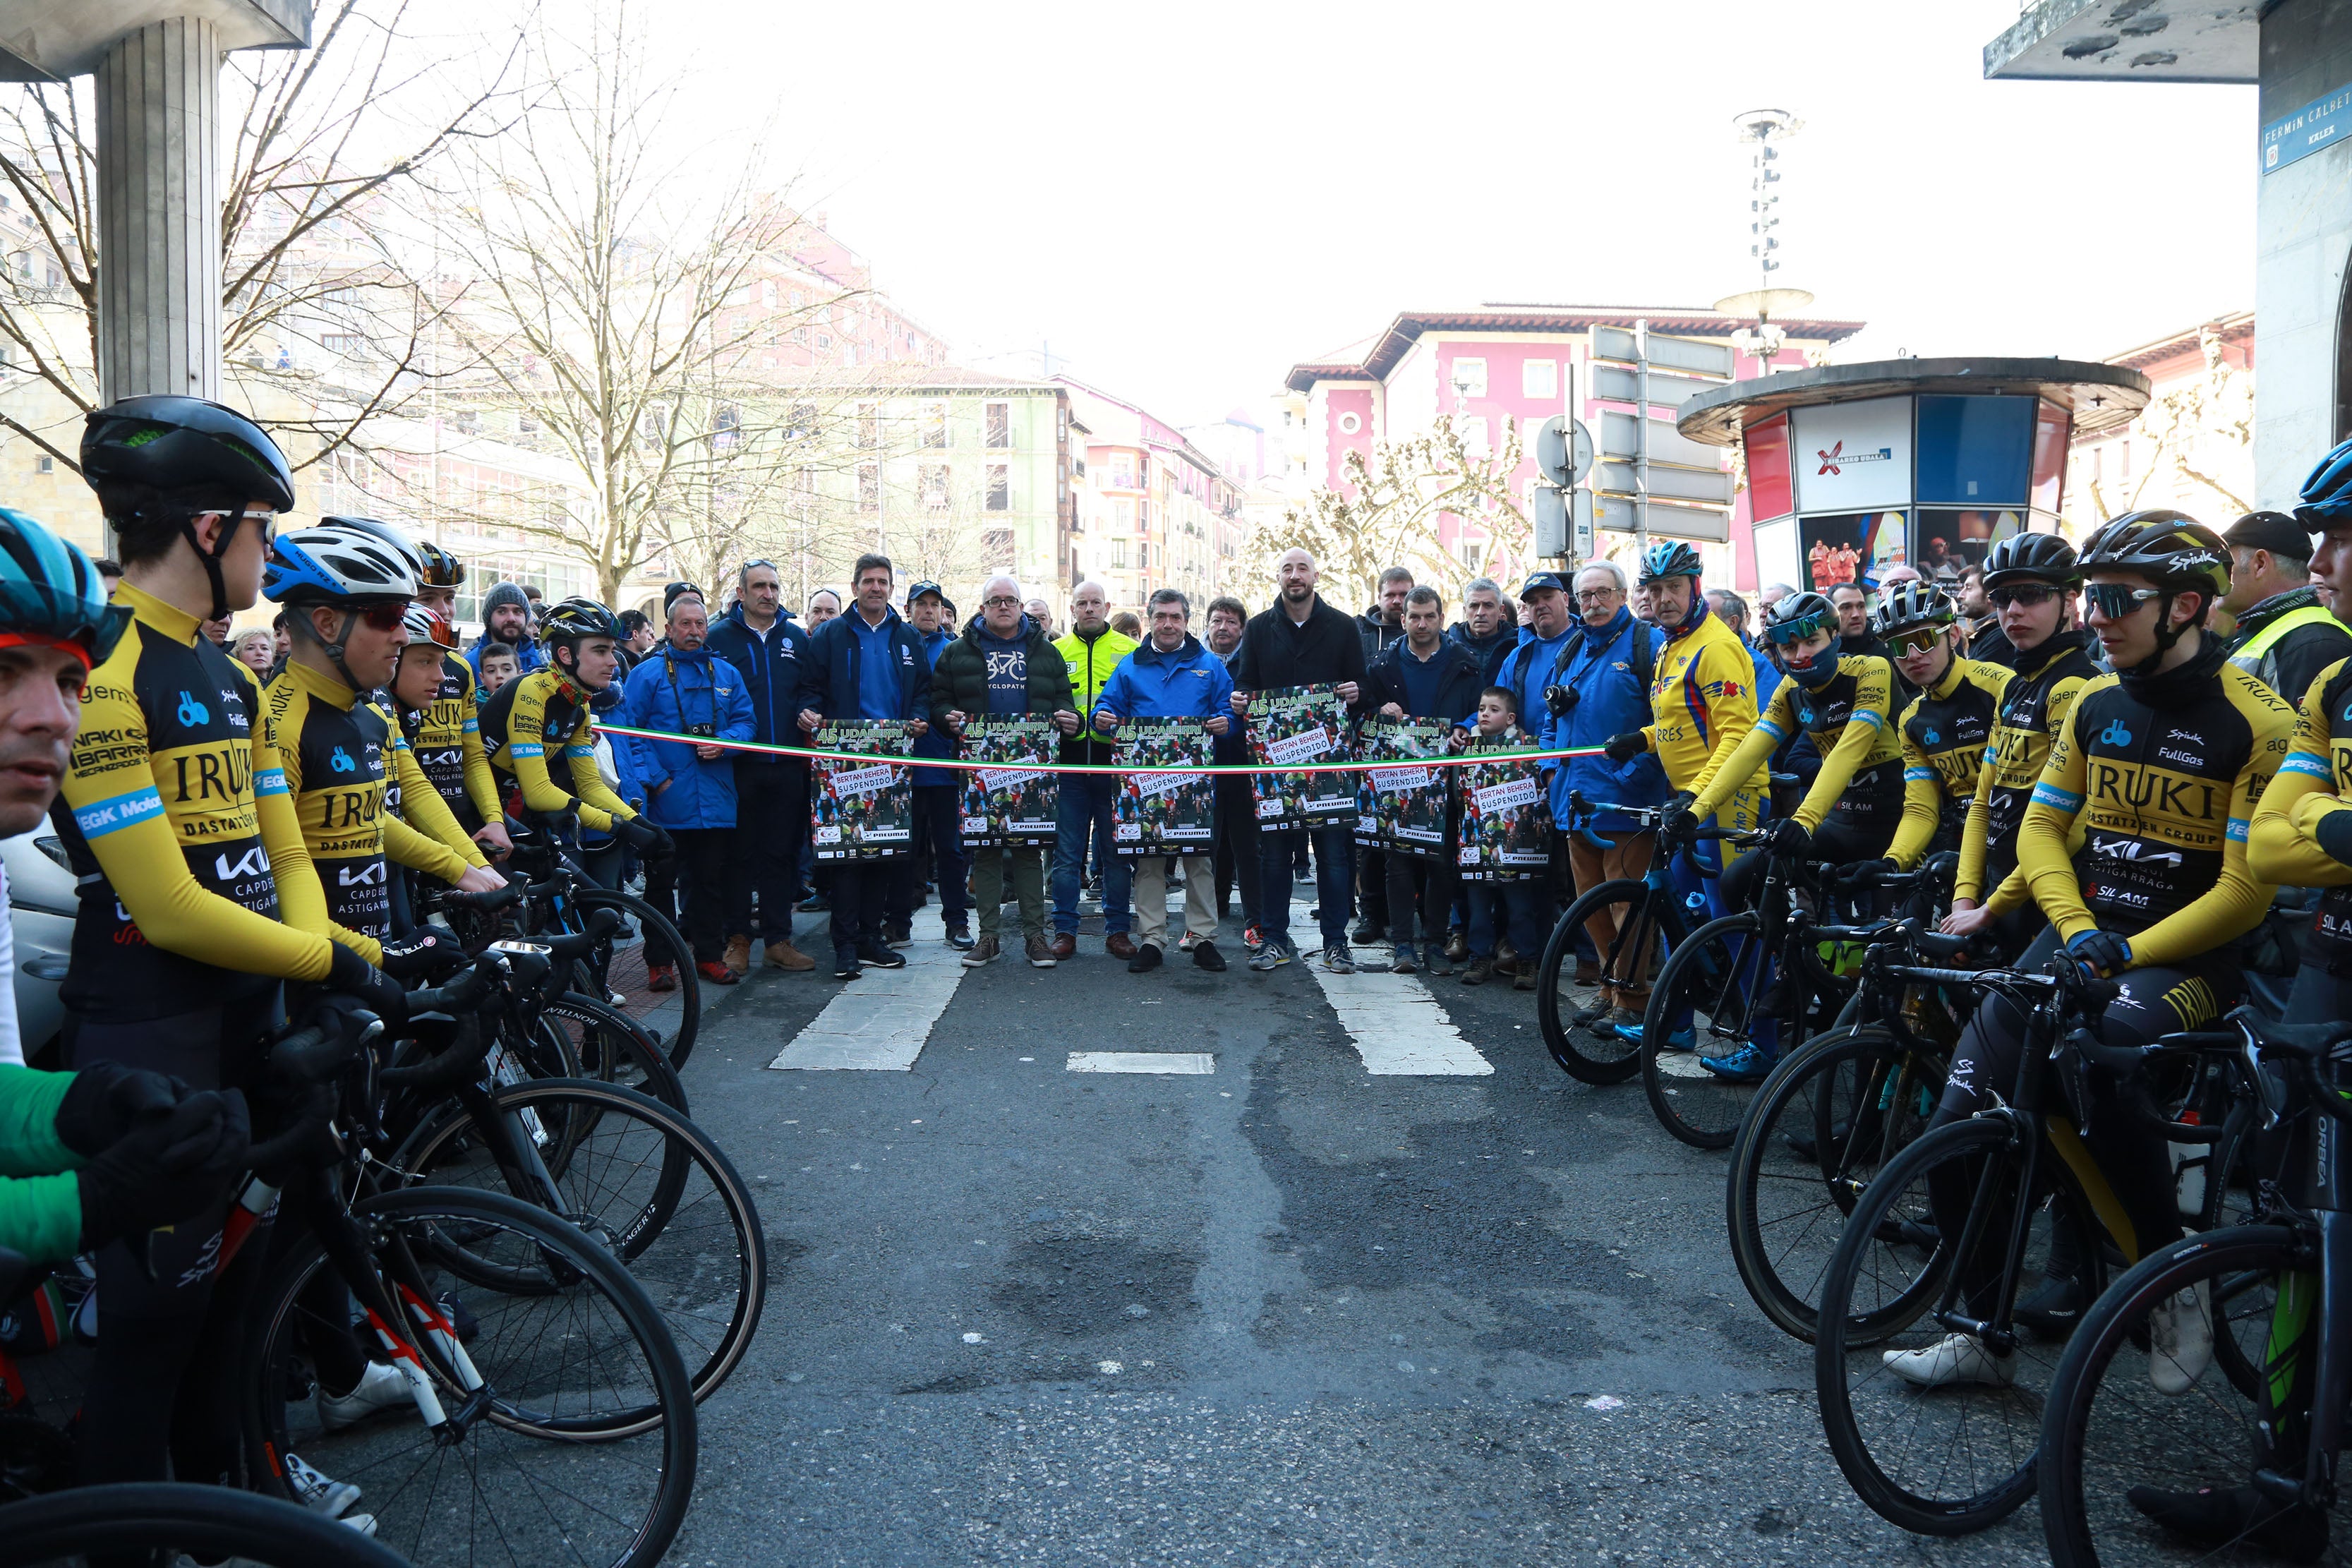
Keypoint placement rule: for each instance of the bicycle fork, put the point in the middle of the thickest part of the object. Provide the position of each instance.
(1997, 1333)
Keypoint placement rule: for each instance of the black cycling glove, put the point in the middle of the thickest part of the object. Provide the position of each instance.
(641, 835)
(1625, 748)
(379, 993)
(107, 1100)
(2103, 952)
(1792, 837)
(1676, 824)
(424, 953)
(1866, 873)
(168, 1169)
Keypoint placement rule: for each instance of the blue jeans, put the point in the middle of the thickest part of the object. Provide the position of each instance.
(1335, 880)
(1085, 810)
(1520, 900)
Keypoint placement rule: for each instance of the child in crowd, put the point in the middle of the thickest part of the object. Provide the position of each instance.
(497, 668)
(1498, 730)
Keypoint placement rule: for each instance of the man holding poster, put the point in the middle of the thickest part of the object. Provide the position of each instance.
(1171, 676)
(1427, 675)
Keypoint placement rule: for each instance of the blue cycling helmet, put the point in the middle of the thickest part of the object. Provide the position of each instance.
(51, 595)
(1669, 558)
(2327, 494)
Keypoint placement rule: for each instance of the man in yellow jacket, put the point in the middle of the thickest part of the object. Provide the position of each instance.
(1092, 650)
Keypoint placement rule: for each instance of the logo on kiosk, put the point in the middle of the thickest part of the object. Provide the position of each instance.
(1835, 458)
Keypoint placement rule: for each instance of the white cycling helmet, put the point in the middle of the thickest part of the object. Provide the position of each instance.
(342, 558)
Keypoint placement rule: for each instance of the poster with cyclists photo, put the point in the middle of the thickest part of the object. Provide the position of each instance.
(862, 811)
(1163, 806)
(1288, 728)
(1503, 821)
(1007, 800)
(1403, 809)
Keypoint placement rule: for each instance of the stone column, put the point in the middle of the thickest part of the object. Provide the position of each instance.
(159, 234)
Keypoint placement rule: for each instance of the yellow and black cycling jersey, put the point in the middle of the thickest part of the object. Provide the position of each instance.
(336, 753)
(2140, 823)
(1851, 720)
(446, 735)
(174, 815)
(1944, 734)
(2047, 678)
(2313, 785)
(1702, 704)
(409, 796)
(527, 716)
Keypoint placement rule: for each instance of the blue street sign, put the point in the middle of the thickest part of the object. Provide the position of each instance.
(2322, 122)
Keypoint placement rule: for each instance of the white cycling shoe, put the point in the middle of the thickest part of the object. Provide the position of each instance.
(1954, 1359)
(2180, 1340)
(319, 1493)
(380, 1388)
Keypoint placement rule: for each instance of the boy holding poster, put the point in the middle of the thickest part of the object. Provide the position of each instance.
(1503, 851)
(1169, 677)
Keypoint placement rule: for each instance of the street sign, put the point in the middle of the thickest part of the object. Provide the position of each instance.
(1621, 437)
(1616, 514)
(1582, 525)
(1665, 483)
(1619, 384)
(1670, 353)
(1563, 450)
(1551, 521)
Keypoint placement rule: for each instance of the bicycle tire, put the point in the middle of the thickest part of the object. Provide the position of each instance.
(2078, 1423)
(1586, 1055)
(1854, 1390)
(130, 1517)
(622, 971)
(1771, 1242)
(612, 1047)
(1689, 1101)
(633, 1434)
(667, 1243)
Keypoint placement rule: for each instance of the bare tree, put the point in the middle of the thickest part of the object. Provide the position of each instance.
(2198, 439)
(306, 255)
(1388, 513)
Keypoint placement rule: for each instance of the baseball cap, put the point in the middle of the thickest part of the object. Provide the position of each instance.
(916, 590)
(1542, 580)
(2272, 531)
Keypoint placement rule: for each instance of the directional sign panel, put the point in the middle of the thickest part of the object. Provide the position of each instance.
(1674, 354)
(1619, 384)
(1621, 437)
(1678, 484)
(1616, 513)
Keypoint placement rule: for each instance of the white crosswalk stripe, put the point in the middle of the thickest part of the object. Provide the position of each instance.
(1393, 1021)
(1143, 1061)
(879, 1021)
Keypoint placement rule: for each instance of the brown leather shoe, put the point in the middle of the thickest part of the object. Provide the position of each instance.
(1119, 945)
(739, 954)
(1065, 945)
(784, 955)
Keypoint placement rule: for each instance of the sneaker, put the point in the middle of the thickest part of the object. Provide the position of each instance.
(845, 963)
(1253, 939)
(1339, 960)
(880, 956)
(661, 976)
(1366, 934)
(1748, 1064)
(1433, 958)
(1457, 944)
(1954, 1359)
(381, 1387)
(815, 906)
(1270, 955)
(1302, 877)
(985, 951)
(1043, 954)
(1184, 944)
(1593, 1016)
(1526, 978)
(2180, 1336)
(784, 955)
(960, 939)
(1481, 971)
(1146, 959)
(319, 1494)
(715, 969)
(1401, 962)
(2051, 1311)
(897, 936)
(2222, 1516)
(1206, 956)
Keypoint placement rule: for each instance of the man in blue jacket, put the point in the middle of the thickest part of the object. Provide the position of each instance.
(506, 618)
(1603, 689)
(681, 686)
(1424, 674)
(768, 649)
(866, 664)
(1171, 676)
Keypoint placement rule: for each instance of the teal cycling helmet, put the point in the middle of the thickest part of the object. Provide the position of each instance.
(2326, 498)
(51, 595)
(1669, 558)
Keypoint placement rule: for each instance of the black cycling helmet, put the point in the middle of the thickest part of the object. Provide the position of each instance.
(2327, 497)
(162, 460)
(442, 570)
(570, 620)
(2170, 549)
(2032, 558)
(1909, 606)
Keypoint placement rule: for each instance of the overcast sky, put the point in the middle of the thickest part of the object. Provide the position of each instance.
(1184, 199)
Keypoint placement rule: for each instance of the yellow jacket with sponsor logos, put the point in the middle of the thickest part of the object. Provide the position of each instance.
(1944, 734)
(1850, 720)
(2313, 782)
(2033, 706)
(1703, 705)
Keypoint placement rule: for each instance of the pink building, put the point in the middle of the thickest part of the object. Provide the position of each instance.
(1499, 363)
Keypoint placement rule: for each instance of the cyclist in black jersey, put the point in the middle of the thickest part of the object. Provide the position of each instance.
(548, 708)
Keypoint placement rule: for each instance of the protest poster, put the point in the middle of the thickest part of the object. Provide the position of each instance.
(1008, 801)
(1288, 728)
(862, 811)
(1403, 809)
(1162, 807)
(1503, 820)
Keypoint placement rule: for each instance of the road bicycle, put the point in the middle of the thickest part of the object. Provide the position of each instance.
(166, 1518)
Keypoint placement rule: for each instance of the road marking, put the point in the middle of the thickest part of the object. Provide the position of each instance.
(1396, 1024)
(879, 1021)
(1143, 1061)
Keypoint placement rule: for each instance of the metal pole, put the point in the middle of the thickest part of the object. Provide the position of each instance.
(1641, 435)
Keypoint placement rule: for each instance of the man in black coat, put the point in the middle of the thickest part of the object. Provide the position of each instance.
(1427, 675)
(1302, 641)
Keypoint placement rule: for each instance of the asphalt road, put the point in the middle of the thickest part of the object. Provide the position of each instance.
(1284, 1313)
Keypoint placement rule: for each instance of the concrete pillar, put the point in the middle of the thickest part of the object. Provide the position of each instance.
(159, 236)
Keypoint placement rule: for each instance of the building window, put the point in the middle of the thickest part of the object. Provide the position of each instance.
(933, 429)
(996, 548)
(869, 487)
(1540, 378)
(931, 485)
(1470, 378)
(999, 423)
(1349, 424)
(801, 423)
(1000, 486)
(1118, 554)
(869, 425)
(1122, 470)
(46, 465)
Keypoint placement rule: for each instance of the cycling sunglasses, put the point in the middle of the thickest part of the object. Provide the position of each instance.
(384, 615)
(1783, 633)
(2029, 594)
(1918, 639)
(2114, 601)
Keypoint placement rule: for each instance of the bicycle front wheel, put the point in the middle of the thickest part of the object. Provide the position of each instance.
(626, 967)
(1698, 1062)
(164, 1518)
(1579, 1032)
(566, 1430)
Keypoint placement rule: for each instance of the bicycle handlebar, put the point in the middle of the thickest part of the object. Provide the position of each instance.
(498, 899)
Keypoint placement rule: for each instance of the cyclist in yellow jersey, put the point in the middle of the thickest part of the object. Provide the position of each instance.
(447, 732)
(548, 707)
(439, 799)
(1945, 730)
